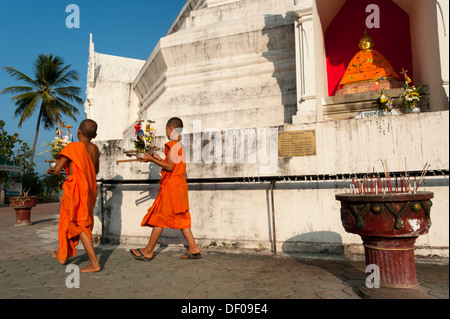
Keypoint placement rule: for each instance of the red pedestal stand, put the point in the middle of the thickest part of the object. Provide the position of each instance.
(389, 226)
(22, 205)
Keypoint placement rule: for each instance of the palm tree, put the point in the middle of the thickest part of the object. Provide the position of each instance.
(50, 87)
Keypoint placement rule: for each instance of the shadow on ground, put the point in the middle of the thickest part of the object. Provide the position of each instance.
(309, 249)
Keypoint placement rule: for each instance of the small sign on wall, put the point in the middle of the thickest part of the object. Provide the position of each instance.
(297, 143)
(375, 113)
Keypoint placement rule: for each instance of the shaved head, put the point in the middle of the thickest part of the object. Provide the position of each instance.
(88, 128)
(175, 123)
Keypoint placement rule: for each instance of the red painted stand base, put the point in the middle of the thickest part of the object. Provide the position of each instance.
(393, 293)
(397, 268)
(395, 259)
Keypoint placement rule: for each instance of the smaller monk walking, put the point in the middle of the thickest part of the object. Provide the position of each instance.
(80, 160)
(171, 206)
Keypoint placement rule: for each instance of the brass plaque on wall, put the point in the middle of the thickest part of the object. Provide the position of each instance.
(297, 143)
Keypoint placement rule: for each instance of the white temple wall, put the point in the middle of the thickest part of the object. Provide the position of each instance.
(307, 216)
(111, 102)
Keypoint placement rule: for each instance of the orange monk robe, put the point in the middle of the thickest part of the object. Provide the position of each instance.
(171, 206)
(367, 65)
(77, 204)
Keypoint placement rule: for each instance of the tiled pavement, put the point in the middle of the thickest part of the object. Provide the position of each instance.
(28, 271)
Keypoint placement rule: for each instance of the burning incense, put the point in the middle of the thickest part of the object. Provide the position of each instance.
(374, 183)
(422, 176)
(415, 186)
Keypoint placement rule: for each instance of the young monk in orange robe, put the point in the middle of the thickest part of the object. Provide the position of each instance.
(171, 206)
(80, 160)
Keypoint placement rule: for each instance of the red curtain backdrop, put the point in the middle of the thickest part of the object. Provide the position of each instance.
(392, 39)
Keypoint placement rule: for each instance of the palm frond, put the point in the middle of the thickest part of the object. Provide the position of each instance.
(53, 111)
(26, 107)
(53, 69)
(67, 108)
(24, 97)
(68, 89)
(50, 116)
(16, 89)
(20, 76)
(45, 67)
(67, 78)
(69, 93)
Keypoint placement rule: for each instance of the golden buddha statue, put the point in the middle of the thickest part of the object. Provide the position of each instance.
(366, 67)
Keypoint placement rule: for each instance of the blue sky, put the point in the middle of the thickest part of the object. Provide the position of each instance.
(27, 28)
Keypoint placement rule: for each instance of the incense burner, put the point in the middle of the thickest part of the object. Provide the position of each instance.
(389, 226)
(22, 205)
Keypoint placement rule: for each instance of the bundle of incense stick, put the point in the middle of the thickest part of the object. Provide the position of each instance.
(387, 175)
(422, 175)
(371, 184)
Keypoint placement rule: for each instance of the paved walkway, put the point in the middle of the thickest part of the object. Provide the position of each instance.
(28, 271)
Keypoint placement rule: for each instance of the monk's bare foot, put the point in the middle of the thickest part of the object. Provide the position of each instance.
(55, 255)
(91, 268)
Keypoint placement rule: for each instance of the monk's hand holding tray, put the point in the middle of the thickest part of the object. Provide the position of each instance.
(144, 157)
(51, 171)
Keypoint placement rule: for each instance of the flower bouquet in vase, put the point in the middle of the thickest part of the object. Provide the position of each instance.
(384, 102)
(144, 141)
(411, 97)
(58, 143)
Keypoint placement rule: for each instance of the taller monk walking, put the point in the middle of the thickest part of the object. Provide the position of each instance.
(80, 160)
(171, 206)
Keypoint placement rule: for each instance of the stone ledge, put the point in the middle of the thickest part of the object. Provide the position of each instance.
(347, 106)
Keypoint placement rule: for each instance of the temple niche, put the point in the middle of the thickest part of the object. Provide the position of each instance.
(403, 32)
(392, 40)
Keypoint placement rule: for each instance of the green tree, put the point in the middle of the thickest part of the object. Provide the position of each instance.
(49, 91)
(7, 142)
(31, 183)
(52, 183)
(13, 149)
